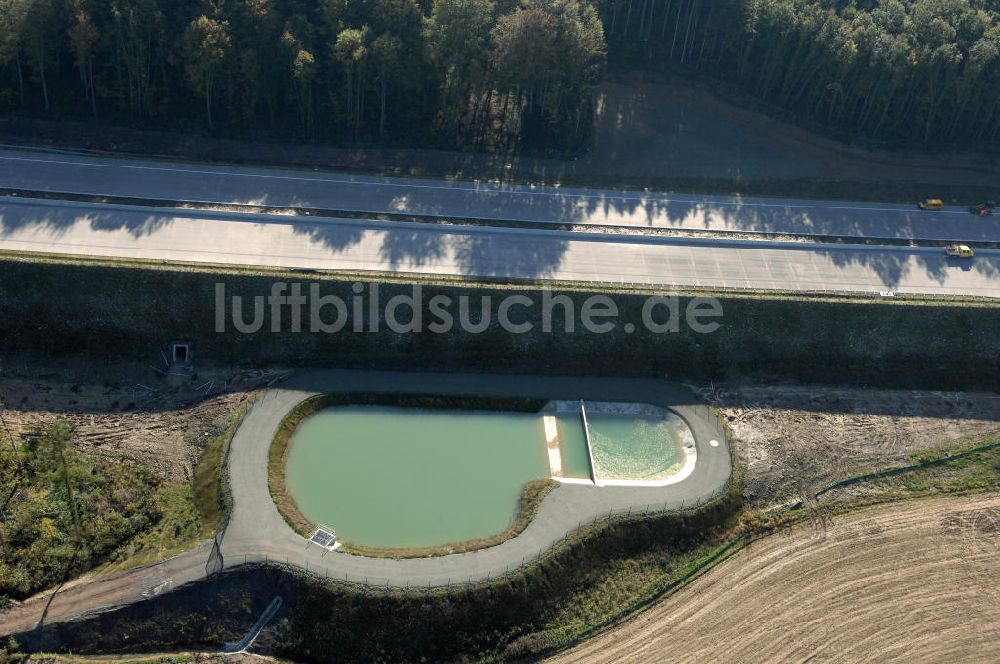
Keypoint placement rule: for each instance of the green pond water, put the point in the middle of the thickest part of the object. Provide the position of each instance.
(573, 446)
(633, 448)
(390, 477)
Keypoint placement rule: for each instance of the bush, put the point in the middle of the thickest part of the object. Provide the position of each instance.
(67, 512)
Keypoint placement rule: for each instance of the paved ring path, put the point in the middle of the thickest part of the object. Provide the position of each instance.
(257, 532)
(257, 529)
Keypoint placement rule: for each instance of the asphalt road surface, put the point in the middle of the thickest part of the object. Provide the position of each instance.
(484, 251)
(179, 181)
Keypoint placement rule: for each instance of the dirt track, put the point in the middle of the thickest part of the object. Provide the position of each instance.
(918, 582)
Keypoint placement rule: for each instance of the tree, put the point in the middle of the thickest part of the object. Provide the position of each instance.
(83, 37)
(457, 35)
(303, 72)
(496, 73)
(204, 48)
(39, 28)
(524, 55)
(385, 52)
(547, 55)
(260, 65)
(351, 50)
(136, 31)
(12, 25)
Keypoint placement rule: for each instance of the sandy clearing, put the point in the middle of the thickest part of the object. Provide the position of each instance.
(918, 582)
(147, 423)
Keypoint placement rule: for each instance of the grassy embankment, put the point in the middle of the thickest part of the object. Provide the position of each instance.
(127, 311)
(530, 500)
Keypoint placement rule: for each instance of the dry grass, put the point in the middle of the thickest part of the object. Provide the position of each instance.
(210, 482)
(277, 457)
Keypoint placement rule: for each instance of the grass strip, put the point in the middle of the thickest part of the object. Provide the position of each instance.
(211, 497)
(920, 465)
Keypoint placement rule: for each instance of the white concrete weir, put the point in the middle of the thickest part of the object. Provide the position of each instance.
(551, 426)
(684, 468)
(590, 447)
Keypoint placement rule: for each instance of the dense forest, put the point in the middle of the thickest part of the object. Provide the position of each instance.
(496, 74)
(922, 72)
(459, 72)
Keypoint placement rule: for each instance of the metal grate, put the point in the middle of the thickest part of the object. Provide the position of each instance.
(324, 537)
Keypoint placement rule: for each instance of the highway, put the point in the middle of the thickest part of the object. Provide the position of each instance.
(482, 251)
(178, 181)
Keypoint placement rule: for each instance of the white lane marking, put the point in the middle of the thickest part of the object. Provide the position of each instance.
(55, 161)
(493, 189)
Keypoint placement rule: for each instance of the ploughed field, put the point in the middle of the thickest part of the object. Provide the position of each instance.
(914, 582)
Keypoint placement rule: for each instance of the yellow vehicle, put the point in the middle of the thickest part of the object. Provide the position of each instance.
(960, 251)
(931, 204)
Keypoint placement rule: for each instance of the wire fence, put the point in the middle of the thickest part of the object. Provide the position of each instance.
(517, 567)
(329, 569)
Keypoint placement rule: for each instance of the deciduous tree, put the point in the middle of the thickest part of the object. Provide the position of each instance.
(204, 47)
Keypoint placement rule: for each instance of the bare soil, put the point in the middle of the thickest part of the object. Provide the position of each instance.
(140, 420)
(684, 129)
(913, 582)
(796, 439)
